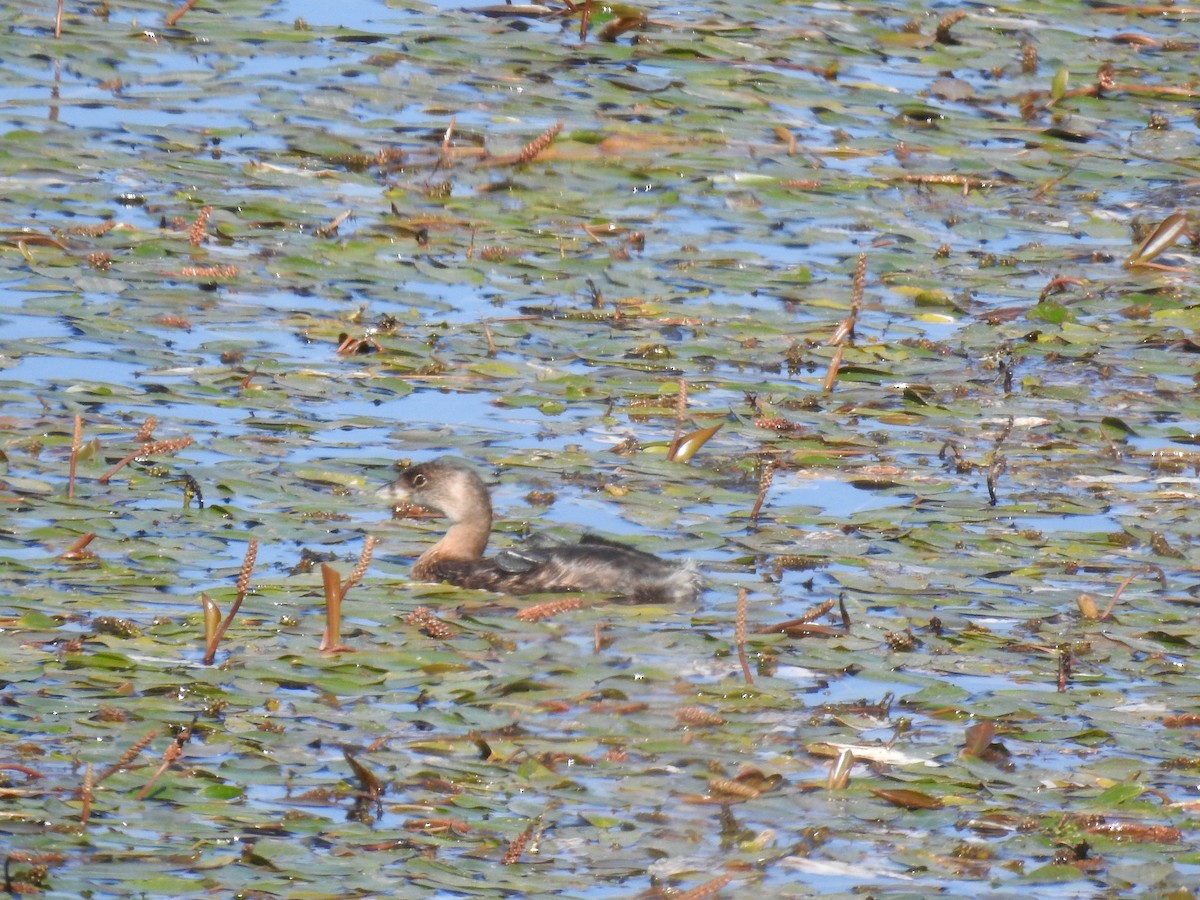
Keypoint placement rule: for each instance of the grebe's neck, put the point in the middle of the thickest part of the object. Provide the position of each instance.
(469, 509)
(464, 540)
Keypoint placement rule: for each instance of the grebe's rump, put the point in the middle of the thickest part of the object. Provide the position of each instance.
(540, 565)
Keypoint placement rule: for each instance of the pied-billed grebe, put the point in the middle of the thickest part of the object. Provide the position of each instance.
(536, 566)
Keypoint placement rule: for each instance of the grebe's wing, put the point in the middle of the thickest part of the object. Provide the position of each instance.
(632, 553)
(529, 554)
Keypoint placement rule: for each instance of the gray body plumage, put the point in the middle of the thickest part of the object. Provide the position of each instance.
(539, 565)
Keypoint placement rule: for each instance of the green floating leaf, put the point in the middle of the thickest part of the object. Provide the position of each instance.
(1114, 427)
(1049, 311)
(1058, 84)
(867, 374)
(1053, 874)
(1117, 795)
(37, 621)
(222, 792)
(101, 659)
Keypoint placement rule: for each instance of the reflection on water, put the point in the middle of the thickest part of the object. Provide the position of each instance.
(51, 370)
(829, 495)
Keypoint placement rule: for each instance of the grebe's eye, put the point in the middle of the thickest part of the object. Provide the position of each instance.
(419, 480)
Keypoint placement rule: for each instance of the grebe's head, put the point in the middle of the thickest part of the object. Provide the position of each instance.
(447, 485)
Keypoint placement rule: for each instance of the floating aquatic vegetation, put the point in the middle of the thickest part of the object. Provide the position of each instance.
(868, 276)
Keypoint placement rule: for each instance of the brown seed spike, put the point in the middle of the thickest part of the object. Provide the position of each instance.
(170, 755)
(243, 587)
(146, 432)
(739, 635)
(429, 624)
(208, 272)
(942, 35)
(154, 448)
(681, 402)
(513, 854)
(1029, 59)
(151, 449)
(76, 446)
(697, 715)
(764, 485)
(243, 582)
(860, 282)
(196, 232)
(96, 230)
(731, 788)
(128, 756)
(535, 148)
(710, 887)
(360, 568)
(551, 608)
(1064, 667)
(493, 253)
